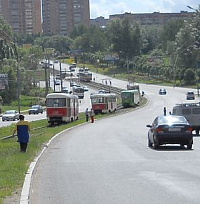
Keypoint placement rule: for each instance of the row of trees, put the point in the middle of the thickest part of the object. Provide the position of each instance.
(170, 51)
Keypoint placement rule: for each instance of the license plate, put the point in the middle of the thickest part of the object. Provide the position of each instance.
(175, 129)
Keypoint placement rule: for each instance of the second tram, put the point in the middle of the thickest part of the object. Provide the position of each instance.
(104, 102)
(61, 108)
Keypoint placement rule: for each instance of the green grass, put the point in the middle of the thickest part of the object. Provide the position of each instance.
(14, 164)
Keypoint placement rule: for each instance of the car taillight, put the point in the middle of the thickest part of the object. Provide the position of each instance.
(189, 129)
(159, 129)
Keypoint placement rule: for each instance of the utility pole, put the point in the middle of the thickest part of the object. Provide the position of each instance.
(61, 84)
(18, 87)
(46, 80)
(18, 79)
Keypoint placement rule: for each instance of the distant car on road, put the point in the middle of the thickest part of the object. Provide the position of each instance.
(65, 90)
(36, 109)
(57, 82)
(85, 88)
(170, 129)
(73, 84)
(190, 95)
(162, 91)
(10, 115)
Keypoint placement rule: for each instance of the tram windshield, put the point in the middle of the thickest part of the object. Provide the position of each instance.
(56, 102)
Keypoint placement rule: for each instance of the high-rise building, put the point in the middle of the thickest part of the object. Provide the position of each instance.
(24, 16)
(61, 16)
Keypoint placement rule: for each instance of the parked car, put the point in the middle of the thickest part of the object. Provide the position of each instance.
(10, 115)
(170, 129)
(190, 95)
(162, 91)
(35, 109)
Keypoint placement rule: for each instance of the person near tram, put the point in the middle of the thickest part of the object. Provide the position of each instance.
(92, 114)
(86, 115)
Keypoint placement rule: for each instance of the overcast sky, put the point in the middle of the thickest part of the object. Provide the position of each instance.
(108, 7)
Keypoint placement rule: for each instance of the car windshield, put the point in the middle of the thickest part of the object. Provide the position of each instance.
(35, 107)
(10, 112)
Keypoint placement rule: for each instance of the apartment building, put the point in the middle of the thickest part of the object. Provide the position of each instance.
(61, 16)
(24, 16)
(155, 18)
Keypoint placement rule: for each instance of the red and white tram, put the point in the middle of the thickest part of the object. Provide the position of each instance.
(103, 102)
(61, 107)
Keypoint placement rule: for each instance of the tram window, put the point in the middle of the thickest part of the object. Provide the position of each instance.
(97, 100)
(68, 102)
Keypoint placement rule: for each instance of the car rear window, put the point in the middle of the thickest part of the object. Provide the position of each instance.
(173, 120)
(186, 111)
(196, 110)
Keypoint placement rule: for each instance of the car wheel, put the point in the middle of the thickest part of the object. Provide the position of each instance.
(149, 142)
(155, 144)
(189, 145)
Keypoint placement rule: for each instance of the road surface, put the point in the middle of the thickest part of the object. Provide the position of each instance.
(108, 162)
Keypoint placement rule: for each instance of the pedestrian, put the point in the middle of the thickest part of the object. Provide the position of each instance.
(164, 110)
(92, 115)
(22, 128)
(86, 115)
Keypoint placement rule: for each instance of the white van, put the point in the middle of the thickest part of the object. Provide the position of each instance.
(191, 111)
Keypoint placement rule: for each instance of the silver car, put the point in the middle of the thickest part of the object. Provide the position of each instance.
(10, 115)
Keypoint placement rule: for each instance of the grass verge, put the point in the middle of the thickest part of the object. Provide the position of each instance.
(15, 164)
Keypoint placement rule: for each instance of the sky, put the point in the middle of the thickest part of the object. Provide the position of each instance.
(109, 7)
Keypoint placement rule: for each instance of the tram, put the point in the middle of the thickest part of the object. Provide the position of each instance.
(103, 102)
(61, 108)
(79, 91)
(130, 98)
(85, 76)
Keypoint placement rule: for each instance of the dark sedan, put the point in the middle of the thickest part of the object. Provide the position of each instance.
(162, 91)
(170, 129)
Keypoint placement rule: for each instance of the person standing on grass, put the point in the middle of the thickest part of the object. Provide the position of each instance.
(92, 115)
(22, 128)
(86, 115)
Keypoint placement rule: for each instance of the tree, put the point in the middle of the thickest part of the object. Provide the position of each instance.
(189, 76)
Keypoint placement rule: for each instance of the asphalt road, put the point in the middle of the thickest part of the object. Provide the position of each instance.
(108, 162)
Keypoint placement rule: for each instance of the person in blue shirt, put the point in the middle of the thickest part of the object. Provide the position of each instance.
(22, 128)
